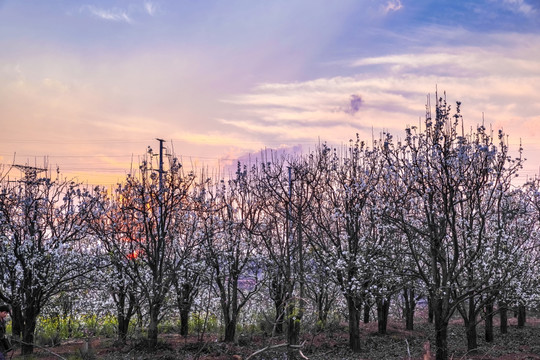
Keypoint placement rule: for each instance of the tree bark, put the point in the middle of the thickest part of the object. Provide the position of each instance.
(503, 310)
(489, 322)
(293, 330)
(472, 336)
(522, 315)
(410, 305)
(470, 325)
(277, 294)
(383, 306)
(430, 310)
(17, 321)
(184, 296)
(367, 309)
(184, 322)
(280, 312)
(124, 315)
(123, 326)
(29, 327)
(441, 330)
(230, 329)
(354, 325)
(153, 326)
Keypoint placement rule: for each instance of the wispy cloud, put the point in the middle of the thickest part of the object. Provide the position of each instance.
(150, 8)
(393, 5)
(113, 14)
(500, 80)
(520, 6)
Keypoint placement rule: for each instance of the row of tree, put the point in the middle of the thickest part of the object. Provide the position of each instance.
(433, 216)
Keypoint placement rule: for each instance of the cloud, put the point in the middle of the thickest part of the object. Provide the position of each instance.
(393, 5)
(150, 8)
(499, 80)
(114, 14)
(520, 6)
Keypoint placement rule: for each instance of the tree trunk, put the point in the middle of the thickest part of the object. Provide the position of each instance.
(280, 312)
(184, 322)
(430, 310)
(472, 336)
(354, 325)
(441, 330)
(503, 310)
(489, 322)
(230, 329)
(123, 324)
(470, 325)
(522, 313)
(185, 293)
(323, 307)
(367, 309)
(153, 326)
(277, 294)
(410, 305)
(17, 322)
(124, 315)
(293, 326)
(383, 306)
(27, 346)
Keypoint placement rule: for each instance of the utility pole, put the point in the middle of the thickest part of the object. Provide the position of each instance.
(289, 222)
(160, 196)
(30, 176)
(30, 172)
(161, 141)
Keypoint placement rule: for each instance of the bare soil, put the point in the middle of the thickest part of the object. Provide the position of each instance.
(517, 344)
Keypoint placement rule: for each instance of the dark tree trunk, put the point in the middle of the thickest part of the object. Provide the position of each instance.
(17, 322)
(323, 307)
(430, 310)
(522, 315)
(354, 325)
(153, 325)
(383, 306)
(124, 314)
(472, 336)
(123, 327)
(277, 294)
(293, 326)
(184, 322)
(230, 329)
(294, 317)
(229, 307)
(441, 330)
(470, 326)
(185, 294)
(410, 305)
(29, 327)
(280, 312)
(503, 310)
(367, 309)
(489, 321)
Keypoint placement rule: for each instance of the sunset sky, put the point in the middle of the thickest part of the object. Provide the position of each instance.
(89, 85)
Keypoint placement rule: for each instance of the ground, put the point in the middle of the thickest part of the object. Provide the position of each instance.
(518, 343)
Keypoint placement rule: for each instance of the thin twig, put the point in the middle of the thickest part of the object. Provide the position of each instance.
(43, 348)
(277, 346)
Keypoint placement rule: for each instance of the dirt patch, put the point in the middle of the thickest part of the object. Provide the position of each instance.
(398, 343)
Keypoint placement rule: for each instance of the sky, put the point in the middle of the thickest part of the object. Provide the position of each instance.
(88, 86)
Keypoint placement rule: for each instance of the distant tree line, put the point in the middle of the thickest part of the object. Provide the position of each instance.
(431, 217)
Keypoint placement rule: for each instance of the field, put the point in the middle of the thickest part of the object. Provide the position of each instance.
(518, 343)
